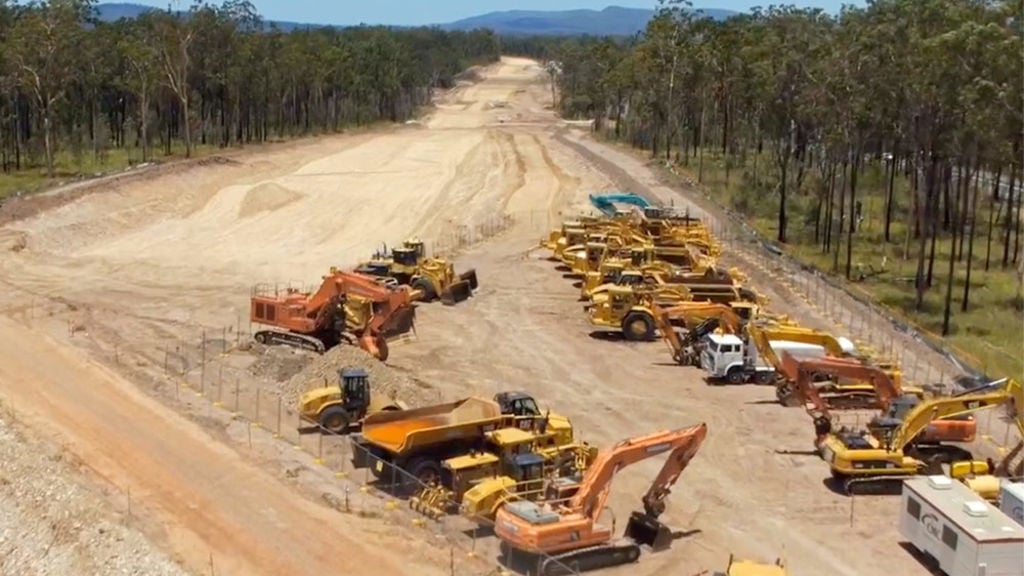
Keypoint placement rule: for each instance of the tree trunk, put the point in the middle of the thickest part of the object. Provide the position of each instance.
(187, 129)
(1008, 224)
(992, 217)
(889, 194)
(970, 246)
(951, 272)
(851, 228)
(920, 282)
(841, 217)
(48, 147)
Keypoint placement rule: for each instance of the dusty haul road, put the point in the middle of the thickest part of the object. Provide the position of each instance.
(149, 259)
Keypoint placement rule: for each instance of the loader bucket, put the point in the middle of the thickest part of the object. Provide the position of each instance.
(648, 530)
(470, 276)
(456, 292)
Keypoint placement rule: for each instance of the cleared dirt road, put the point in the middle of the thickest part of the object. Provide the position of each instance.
(206, 500)
(149, 261)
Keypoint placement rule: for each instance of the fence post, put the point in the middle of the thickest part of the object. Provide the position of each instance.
(278, 433)
(256, 419)
(202, 364)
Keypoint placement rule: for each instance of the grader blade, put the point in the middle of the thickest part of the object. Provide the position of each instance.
(456, 292)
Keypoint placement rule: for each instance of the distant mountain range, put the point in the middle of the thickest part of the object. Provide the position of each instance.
(611, 21)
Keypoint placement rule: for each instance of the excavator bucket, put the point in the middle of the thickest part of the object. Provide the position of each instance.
(648, 530)
(401, 322)
(470, 276)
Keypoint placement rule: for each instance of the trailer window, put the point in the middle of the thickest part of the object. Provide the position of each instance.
(914, 508)
(949, 537)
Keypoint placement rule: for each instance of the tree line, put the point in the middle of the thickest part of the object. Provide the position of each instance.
(801, 107)
(213, 75)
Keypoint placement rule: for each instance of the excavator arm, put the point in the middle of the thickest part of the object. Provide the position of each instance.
(801, 373)
(684, 443)
(606, 202)
(762, 334)
(988, 396)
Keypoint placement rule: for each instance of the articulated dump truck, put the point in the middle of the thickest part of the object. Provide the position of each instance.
(504, 443)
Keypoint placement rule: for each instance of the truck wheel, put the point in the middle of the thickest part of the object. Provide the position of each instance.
(764, 377)
(424, 285)
(735, 375)
(335, 420)
(637, 326)
(419, 472)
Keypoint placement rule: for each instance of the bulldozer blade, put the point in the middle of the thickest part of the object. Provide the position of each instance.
(470, 276)
(401, 322)
(647, 530)
(457, 292)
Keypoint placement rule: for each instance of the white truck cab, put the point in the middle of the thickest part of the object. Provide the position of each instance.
(728, 357)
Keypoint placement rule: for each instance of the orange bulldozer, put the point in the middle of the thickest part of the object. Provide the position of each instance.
(348, 307)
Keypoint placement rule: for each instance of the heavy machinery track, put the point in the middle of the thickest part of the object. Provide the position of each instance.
(592, 558)
(275, 337)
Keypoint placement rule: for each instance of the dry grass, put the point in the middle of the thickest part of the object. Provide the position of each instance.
(989, 335)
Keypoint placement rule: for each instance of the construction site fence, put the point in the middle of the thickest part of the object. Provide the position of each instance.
(214, 377)
(734, 232)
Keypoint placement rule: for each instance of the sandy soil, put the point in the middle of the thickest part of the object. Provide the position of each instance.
(126, 275)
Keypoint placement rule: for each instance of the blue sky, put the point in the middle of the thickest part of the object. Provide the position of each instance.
(416, 12)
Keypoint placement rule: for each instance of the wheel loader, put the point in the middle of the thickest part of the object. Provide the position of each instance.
(341, 407)
(430, 278)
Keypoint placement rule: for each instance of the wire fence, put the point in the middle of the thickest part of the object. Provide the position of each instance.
(214, 368)
(217, 369)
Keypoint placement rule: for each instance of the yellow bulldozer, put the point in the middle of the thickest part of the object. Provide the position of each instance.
(430, 278)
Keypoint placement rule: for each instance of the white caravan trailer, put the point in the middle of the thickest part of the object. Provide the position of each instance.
(1011, 501)
(964, 535)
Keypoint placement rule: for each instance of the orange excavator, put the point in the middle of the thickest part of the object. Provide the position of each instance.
(569, 534)
(346, 304)
(891, 400)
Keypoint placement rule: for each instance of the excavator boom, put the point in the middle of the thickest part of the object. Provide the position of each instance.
(990, 395)
(318, 320)
(570, 534)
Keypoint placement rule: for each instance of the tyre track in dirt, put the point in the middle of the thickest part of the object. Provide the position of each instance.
(207, 499)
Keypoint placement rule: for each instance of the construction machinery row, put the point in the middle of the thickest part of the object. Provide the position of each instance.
(644, 275)
(366, 306)
(643, 272)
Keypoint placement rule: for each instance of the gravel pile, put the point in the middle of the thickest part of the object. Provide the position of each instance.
(384, 380)
(54, 523)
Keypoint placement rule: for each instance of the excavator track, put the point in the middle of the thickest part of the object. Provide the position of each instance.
(875, 485)
(274, 337)
(593, 558)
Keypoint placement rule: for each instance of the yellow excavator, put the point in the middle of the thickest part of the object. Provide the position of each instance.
(873, 461)
(430, 278)
(700, 319)
(985, 477)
